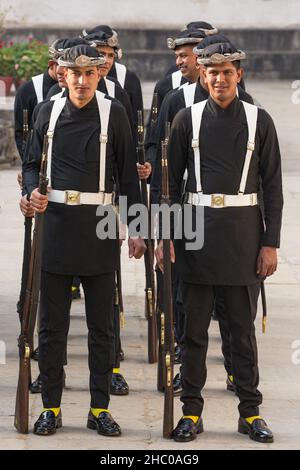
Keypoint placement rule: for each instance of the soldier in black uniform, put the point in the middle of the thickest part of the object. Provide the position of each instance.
(107, 42)
(207, 29)
(186, 62)
(81, 177)
(28, 95)
(119, 386)
(227, 146)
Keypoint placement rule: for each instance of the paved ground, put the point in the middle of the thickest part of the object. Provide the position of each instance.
(140, 413)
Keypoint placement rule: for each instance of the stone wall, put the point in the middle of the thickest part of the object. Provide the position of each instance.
(271, 53)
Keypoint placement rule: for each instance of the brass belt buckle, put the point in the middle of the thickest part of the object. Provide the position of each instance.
(217, 200)
(72, 198)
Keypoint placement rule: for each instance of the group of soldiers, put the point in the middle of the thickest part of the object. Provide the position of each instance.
(222, 153)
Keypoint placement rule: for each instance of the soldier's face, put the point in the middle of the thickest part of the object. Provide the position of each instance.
(82, 82)
(109, 55)
(222, 80)
(186, 62)
(60, 73)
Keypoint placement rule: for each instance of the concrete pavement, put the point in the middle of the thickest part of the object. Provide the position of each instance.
(140, 413)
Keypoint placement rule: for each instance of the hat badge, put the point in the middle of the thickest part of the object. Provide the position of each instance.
(83, 61)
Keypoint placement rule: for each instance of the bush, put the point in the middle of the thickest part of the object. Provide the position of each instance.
(7, 61)
(23, 60)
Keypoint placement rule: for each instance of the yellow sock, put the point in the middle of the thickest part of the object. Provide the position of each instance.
(97, 411)
(116, 371)
(252, 418)
(193, 418)
(55, 410)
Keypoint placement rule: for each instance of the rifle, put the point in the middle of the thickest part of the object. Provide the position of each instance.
(148, 256)
(154, 109)
(30, 308)
(264, 306)
(168, 418)
(161, 331)
(27, 232)
(160, 309)
(120, 295)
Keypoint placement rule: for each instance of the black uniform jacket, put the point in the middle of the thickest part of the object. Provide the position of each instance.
(173, 102)
(120, 94)
(232, 235)
(26, 99)
(133, 87)
(70, 242)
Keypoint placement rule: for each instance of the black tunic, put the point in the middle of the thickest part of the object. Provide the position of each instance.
(233, 235)
(133, 87)
(70, 242)
(162, 88)
(26, 99)
(120, 94)
(173, 102)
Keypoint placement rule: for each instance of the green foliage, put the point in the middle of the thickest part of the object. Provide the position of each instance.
(23, 60)
(7, 61)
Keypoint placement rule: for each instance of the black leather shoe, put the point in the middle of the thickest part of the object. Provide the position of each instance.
(118, 385)
(177, 354)
(230, 384)
(258, 430)
(76, 293)
(104, 424)
(47, 423)
(186, 430)
(36, 385)
(121, 355)
(35, 354)
(177, 385)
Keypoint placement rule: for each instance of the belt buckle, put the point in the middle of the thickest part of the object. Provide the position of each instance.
(72, 198)
(218, 200)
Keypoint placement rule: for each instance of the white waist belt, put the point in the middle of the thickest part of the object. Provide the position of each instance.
(76, 198)
(219, 201)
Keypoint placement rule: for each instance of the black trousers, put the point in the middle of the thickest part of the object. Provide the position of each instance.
(240, 306)
(54, 327)
(221, 315)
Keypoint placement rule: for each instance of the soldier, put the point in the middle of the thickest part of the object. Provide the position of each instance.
(80, 179)
(119, 386)
(207, 29)
(28, 95)
(227, 145)
(109, 86)
(108, 44)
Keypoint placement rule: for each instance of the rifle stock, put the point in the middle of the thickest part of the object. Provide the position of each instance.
(25, 340)
(148, 256)
(168, 416)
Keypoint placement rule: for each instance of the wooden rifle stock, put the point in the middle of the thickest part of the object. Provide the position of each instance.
(30, 309)
(168, 416)
(148, 256)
